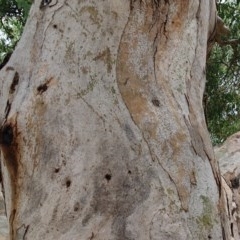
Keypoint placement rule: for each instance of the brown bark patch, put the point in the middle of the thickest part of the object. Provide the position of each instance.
(44, 87)
(105, 56)
(9, 147)
(179, 16)
(9, 144)
(14, 83)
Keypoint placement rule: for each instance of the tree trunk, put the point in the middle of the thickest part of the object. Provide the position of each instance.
(103, 133)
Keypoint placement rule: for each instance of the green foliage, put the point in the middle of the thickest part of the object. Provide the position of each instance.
(24, 5)
(222, 96)
(9, 8)
(13, 15)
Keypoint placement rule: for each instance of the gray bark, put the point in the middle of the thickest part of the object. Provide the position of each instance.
(103, 133)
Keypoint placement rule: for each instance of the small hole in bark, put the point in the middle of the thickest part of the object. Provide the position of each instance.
(209, 237)
(55, 26)
(7, 108)
(57, 170)
(42, 88)
(76, 207)
(68, 183)
(6, 135)
(235, 182)
(156, 102)
(129, 172)
(108, 177)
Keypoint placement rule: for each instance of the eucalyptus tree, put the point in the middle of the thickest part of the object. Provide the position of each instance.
(103, 131)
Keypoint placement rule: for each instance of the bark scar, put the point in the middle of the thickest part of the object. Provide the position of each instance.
(9, 148)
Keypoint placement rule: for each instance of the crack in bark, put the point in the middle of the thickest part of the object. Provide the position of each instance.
(7, 109)
(11, 220)
(25, 232)
(93, 110)
(49, 23)
(194, 149)
(166, 21)
(171, 179)
(215, 171)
